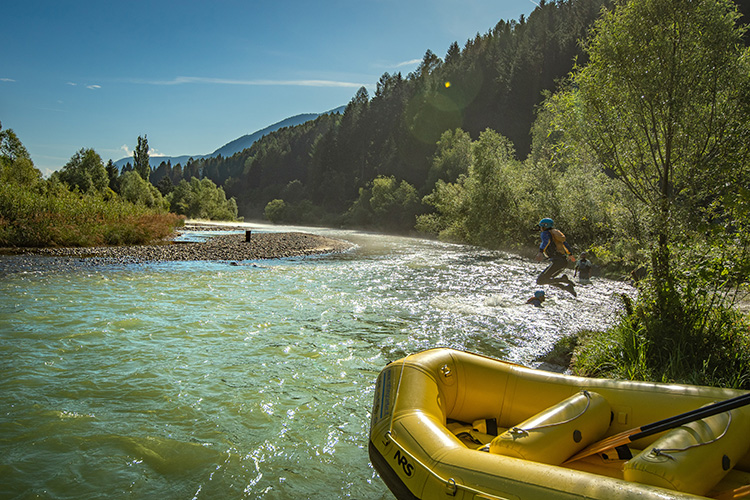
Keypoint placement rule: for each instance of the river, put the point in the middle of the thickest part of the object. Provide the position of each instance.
(210, 380)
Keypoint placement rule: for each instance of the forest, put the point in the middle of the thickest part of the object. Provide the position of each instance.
(495, 81)
(389, 160)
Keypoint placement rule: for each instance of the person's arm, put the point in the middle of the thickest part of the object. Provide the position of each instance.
(546, 239)
(568, 250)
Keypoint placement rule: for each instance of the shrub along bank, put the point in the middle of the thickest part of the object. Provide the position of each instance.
(41, 216)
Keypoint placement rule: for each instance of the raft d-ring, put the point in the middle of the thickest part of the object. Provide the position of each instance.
(446, 370)
(451, 488)
(387, 439)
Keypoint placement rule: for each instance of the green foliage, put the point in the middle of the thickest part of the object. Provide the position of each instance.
(386, 204)
(663, 104)
(692, 337)
(16, 166)
(141, 162)
(451, 159)
(84, 172)
(202, 199)
(662, 108)
(277, 211)
(393, 203)
(489, 206)
(39, 217)
(447, 222)
(495, 187)
(113, 174)
(11, 147)
(19, 171)
(299, 211)
(35, 213)
(135, 189)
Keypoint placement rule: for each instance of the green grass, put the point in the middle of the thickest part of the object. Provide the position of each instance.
(34, 217)
(693, 339)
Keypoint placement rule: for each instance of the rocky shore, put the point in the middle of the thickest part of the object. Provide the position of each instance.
(226, 247)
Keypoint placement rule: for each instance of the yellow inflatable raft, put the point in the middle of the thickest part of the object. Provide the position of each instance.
(450, 424)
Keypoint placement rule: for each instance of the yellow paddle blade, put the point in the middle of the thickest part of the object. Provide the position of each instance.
(604, 445)
(741, 492)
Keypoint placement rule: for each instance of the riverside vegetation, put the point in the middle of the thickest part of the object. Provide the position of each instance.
(625, 121)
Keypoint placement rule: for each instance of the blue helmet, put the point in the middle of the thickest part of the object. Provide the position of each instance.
(539, 294)
(546, 223)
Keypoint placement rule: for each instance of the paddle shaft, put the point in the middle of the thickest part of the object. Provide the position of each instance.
(661, 425)
(691, 416)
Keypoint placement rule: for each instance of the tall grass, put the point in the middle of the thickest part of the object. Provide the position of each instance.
(687, 335)
(40, 217)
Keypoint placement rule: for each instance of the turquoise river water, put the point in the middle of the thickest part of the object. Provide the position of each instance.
(210, 380)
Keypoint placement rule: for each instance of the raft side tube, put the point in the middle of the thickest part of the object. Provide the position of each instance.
(419, 458)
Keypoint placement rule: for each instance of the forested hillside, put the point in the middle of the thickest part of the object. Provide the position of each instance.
(386, 151)
(493, 81)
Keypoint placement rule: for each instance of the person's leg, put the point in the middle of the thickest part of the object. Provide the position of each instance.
(548, 275)
(568, 287)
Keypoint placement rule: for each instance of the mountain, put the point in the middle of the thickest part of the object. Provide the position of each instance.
(237, 145)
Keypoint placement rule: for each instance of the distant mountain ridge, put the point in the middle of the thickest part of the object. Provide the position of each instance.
(235, 146)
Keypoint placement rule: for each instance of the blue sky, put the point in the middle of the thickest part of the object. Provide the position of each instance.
(194, 75)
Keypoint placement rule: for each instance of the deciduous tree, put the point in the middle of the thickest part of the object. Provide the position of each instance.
(664, 105)
(84, 171)
(141, 159)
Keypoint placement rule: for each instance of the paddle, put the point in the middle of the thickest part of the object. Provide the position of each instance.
(662, 425)
(741, 492)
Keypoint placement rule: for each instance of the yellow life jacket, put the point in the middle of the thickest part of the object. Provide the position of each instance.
(559, 238)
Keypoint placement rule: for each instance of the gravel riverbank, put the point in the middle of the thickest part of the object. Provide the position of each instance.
(225, 247)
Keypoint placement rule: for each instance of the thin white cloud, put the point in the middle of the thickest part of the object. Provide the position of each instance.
(389, 66)
(7, 80)
(91, 86)
(408, 63)
(182, 80)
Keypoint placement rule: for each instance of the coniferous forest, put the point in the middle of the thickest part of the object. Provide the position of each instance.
(388, 161)
(494, 81)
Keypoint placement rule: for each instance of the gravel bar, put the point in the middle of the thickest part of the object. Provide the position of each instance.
(225, 247)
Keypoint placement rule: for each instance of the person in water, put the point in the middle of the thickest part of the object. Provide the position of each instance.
(583, 269)
(537, 299)
(555, 249)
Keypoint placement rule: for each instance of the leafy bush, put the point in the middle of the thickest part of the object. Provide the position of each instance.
(135, 189)
(385, 204)
(688, 336)
(84, 171)
(202, 199)
(277, 211)
(42, 216)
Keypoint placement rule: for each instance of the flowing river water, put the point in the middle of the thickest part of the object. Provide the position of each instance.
(212, 380)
